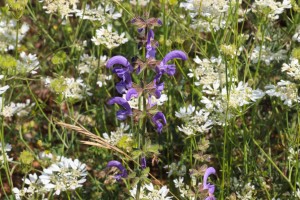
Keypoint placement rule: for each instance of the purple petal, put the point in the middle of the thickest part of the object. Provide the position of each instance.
(210, 198)
(151, 50)
(143, 162)
(140, 30)
(208, 172)
(131, 93)
(121, 87)
(159, 22)
(121, 114)
(150, 102)
(159, 89)
(159, 120)
(115, 163)
(174, 54)
(120, 60)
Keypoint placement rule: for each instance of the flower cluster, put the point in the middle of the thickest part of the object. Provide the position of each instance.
(285, 90)
(148, 191)
(208, 15)
(64, 7)
(90, 63)
(3, 88)
(3, 153)
(292, 69)
(70, 88)
(271, 8)
(27, 63)
(102, 14)
(265, 54)
(195, 122)
(123, 69)
(119, 134)
(8, 33)
(296, 36)
(208, 71)
(21, 109)
(65, 174)
(109, 38)
(226, 102)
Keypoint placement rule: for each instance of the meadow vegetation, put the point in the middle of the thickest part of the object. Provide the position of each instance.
(150, 100)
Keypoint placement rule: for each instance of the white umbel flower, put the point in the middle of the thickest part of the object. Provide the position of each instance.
(67, 174)
(109, 38)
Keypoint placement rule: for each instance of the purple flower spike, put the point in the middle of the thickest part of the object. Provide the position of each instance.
(131, 93)
(159, 120)
(208, 186)
(117, 164)
(143, 162)
(121, 114)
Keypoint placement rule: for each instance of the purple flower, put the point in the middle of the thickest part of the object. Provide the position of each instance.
(117, 164)
(119, 60)
(208, 186)
(159, 120)
(143, 162)
(158, 88)
(123, 71)
(150, 47)
(170, 68)
(131, 93)
(121, 114)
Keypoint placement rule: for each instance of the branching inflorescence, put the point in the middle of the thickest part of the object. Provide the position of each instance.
(124, 69)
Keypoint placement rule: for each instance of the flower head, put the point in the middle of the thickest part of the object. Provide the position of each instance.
(159, 120)
(117, 164)
(170, 68)
(208, 186)
(121, 114)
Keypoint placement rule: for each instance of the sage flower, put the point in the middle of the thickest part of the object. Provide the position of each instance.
(208, 186)
(170, 69)
(123, 69)
(121, 114)
(159, 120)
(117, 164)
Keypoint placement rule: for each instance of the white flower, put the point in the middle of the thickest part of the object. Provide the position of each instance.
(88, 64)
(102, 13)
(185, 112)
(188, 130)
(208, 14)
(21, 109)
(265, 54)
(142, 3)
(102, 78)
(8, 33)
(64, 175)
(19, 193)
(285, 90)
(270, 7)
(3, 153)
(109, 38)
(150, 193)
(292, 69)
(64, 7)
(208, 71)
(27, 63)
(116, 136)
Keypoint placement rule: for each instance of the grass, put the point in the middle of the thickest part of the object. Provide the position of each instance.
(254, 146)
